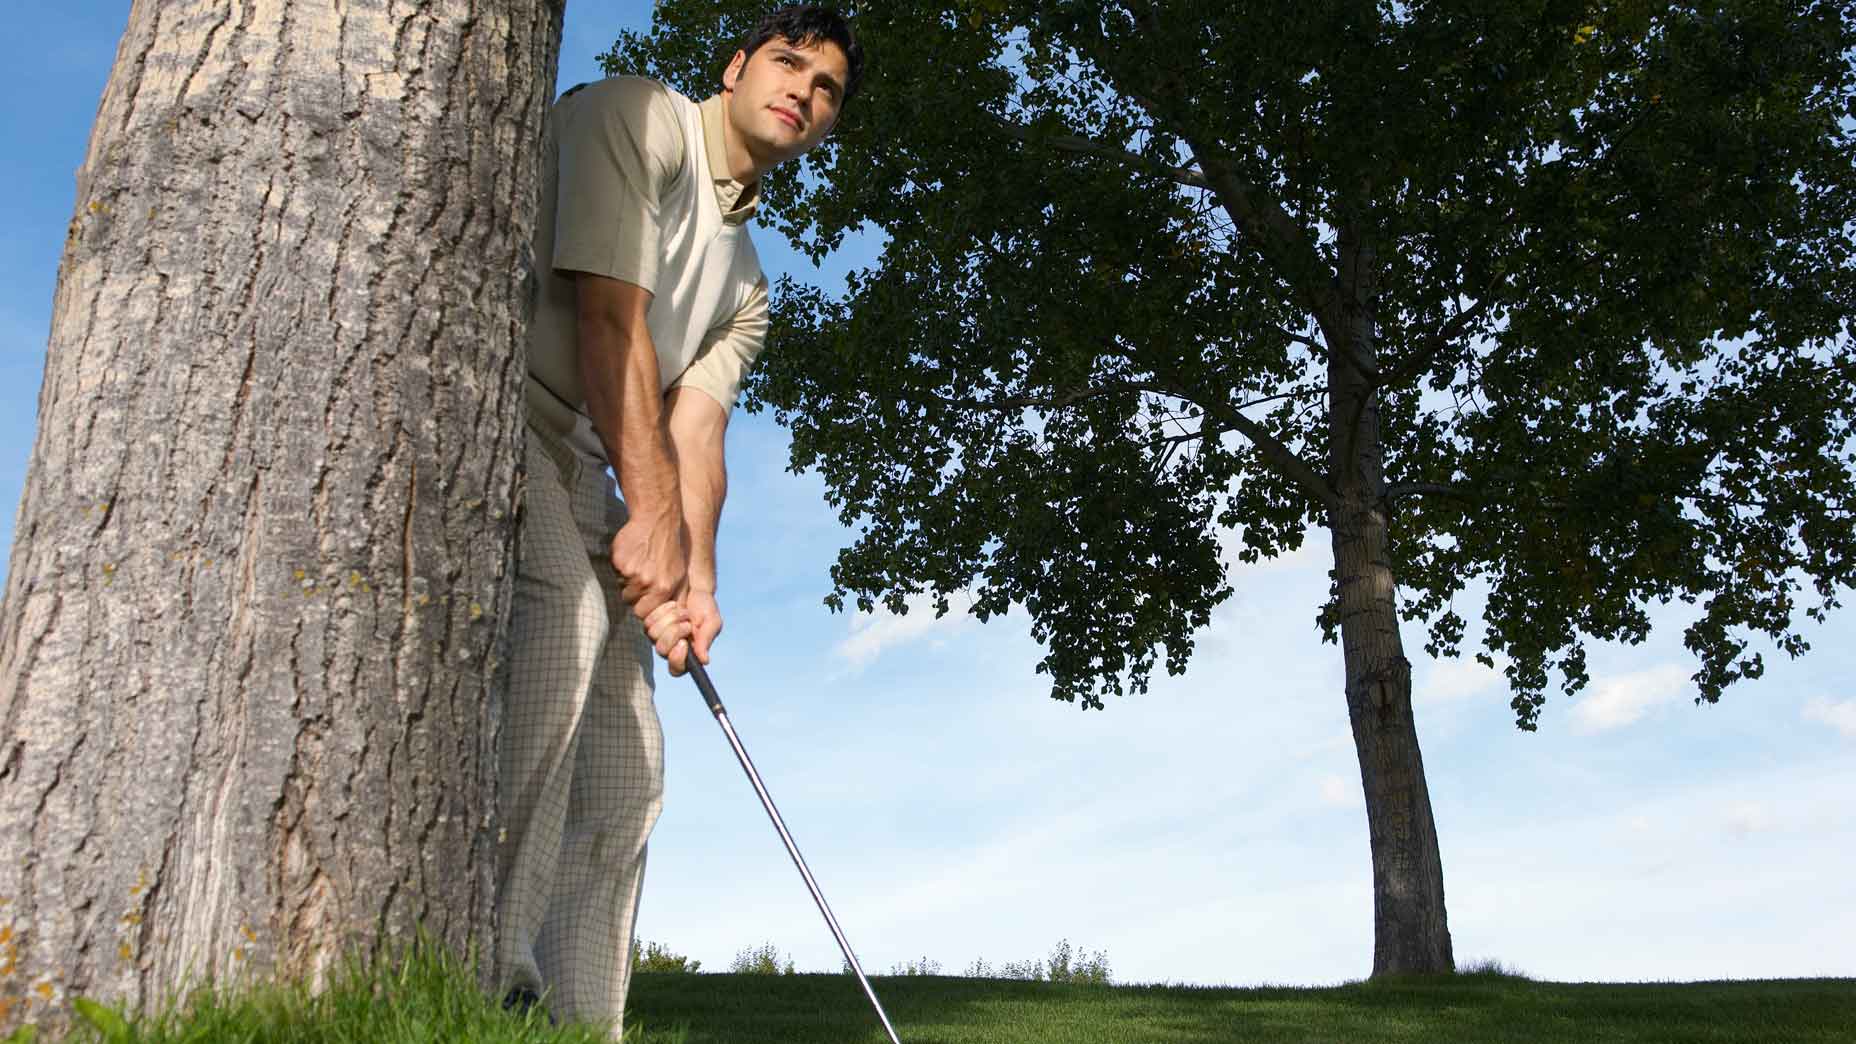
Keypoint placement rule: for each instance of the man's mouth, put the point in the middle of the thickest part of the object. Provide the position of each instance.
(791, 118)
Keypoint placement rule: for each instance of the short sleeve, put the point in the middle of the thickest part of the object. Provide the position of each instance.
(728, 351)
(618, 151)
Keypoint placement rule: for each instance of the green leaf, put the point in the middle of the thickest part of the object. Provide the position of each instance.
(104, 1020)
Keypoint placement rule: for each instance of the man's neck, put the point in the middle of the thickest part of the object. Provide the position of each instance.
(740, 162)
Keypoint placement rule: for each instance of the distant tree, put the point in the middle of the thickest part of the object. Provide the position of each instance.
(250, 625)
(1547, 296)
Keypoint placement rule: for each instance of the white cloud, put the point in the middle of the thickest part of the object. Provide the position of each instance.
(1339, 791)
(872, 633)
(1838, 714)
(1450, 680)
(1625, 699)
(1744, 817)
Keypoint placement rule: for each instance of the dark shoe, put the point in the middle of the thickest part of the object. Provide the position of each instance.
(521, 1000)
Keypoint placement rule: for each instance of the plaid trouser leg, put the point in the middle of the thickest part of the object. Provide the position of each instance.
(617, 792)
(582, 756)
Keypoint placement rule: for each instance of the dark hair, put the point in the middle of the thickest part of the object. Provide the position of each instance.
(811, 23)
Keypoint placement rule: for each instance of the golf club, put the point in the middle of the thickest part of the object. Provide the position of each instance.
(714, 701)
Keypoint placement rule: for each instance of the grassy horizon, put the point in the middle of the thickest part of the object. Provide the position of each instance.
(1485, 1009)
(434, 999)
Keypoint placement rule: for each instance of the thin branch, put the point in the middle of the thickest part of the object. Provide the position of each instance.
(1275, 453)
(1277, 235)
(1307, 342)
(1439, 489)
(1433, 346)
(1057, 401)
(1188, 176)
(1764, 505)
(1305, 393)
(1185, 437)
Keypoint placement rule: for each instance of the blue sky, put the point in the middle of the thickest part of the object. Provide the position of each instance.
(1209, 832)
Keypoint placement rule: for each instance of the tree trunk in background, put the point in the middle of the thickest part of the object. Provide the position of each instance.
(1411, 933)
(261, 571)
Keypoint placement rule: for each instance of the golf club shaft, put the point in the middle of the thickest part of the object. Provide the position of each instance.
(714, 701)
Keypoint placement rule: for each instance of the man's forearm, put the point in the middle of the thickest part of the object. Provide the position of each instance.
(697, 427)
(705, 485)
(618, 369)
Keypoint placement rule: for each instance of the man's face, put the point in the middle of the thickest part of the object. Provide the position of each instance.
(784, 98)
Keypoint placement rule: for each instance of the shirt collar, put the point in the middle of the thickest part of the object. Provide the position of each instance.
(738, 201)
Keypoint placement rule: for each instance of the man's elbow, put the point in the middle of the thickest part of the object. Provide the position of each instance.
(610, 309)
(697, 421)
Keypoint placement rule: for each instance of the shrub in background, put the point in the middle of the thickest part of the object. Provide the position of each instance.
(656, 957)
(1065, 964)
(1068, 965)
(1490, 968)
(924, 966)
(761, 960)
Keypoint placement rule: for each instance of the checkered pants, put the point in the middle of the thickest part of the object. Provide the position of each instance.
(582, 771)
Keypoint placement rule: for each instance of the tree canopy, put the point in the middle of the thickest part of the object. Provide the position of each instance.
(1589, 264)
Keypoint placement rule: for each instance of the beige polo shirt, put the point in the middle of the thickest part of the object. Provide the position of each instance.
(615, 150)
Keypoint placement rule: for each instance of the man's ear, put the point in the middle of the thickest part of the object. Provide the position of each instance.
(733, 72)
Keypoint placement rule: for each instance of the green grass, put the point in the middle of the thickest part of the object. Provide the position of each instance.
(430, 999)
(1485, 1009)
(435, 1001)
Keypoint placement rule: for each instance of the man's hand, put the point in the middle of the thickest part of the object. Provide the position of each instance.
(669, 629)
(652, 555)
(705, 619)
(618, 368)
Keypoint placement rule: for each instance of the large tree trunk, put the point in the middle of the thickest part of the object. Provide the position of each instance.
(258, 585)
(1411, 934)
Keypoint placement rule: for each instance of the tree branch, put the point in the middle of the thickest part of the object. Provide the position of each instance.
(1277, 235)
(1763, 505)
(1355, 272)
(1055, 401)
(1412, 489)
(1188, 176)
(1432, 347)
(1305, 393)
(1306, 342)
(1276, 454)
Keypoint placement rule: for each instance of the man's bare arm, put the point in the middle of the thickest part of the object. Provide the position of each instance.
(618, 368)
(698, 426)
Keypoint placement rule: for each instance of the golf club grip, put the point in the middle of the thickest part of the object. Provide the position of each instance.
(704, 685)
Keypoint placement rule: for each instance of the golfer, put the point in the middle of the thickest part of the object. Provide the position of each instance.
(650, 308)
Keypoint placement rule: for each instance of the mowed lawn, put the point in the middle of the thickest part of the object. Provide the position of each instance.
(1487, 1009)
(437, 1000)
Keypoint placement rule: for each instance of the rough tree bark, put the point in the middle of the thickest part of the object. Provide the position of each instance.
(256, 595)
(1411, 933)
